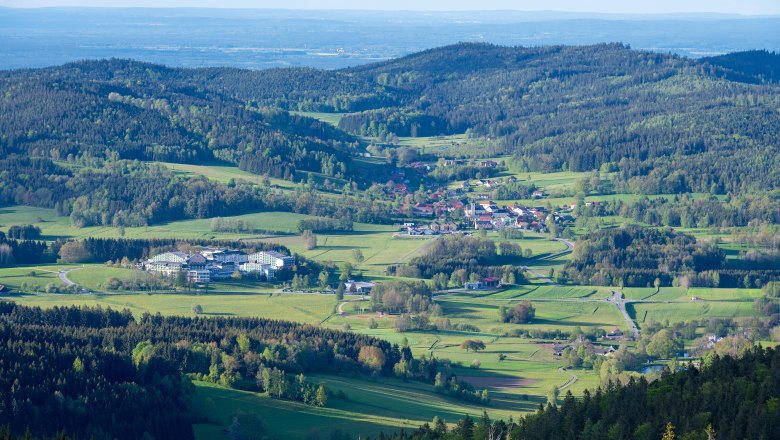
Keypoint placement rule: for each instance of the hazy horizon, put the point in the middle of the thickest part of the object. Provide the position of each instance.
(749, 8)
(262, 38)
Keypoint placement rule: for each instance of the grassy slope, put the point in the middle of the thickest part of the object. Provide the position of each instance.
(370, 407)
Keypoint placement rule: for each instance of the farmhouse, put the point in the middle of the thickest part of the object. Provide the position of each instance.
(3, 289)
(423, 210)
(484, 283)
(352, 286)
(483, 224)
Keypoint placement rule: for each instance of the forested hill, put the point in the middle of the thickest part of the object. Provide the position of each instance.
(667, 124)
(750, 66)
(150, 112)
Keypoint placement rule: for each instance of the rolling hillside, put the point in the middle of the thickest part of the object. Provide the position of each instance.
(661, 123)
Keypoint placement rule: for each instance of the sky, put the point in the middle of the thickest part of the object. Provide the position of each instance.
(746, 7)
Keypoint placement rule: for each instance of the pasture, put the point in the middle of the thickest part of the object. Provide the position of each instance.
(644, 313)
(370, 407)
(330, 118)
(311, 309)
(54, 226)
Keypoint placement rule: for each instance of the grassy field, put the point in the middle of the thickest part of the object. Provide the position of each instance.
(644, 313)
(370, 407)
(54, 226)
(330, 118)
(310, 309)
(377, 243)
(35, 277)
(223, 174)
(680, 294)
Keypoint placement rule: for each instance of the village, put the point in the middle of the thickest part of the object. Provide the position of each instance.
(469, 205)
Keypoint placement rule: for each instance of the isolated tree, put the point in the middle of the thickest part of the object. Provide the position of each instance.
(372, 357)
(357, 255)
(321, 398)
(197, 309)
(234, 431)
(346, 270)
(181, 278)
(552, 395)
(522, 313)
(473, 345)
(340, 291)
(74, 252)
(323, 279)
(309, 239)
(669, 433)
(6, 255)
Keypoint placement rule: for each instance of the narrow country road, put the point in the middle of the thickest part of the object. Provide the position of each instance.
(543, 278)
(569, 248)
(569, 382)
(617, 299)
(63, 275)
(340, 309)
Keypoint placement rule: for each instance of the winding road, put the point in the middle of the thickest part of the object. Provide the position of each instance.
(569, 248)
(544, 278)
(63, 275)
(569, 382)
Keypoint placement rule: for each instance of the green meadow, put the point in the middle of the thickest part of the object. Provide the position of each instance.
(311, 309)
(330, 118)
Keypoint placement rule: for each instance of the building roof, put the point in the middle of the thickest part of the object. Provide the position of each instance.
(274, 254)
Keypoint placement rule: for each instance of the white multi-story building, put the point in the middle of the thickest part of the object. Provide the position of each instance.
(172, 257)
(217, 264)
(264, 269)
(272, 258)
(199, 275)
